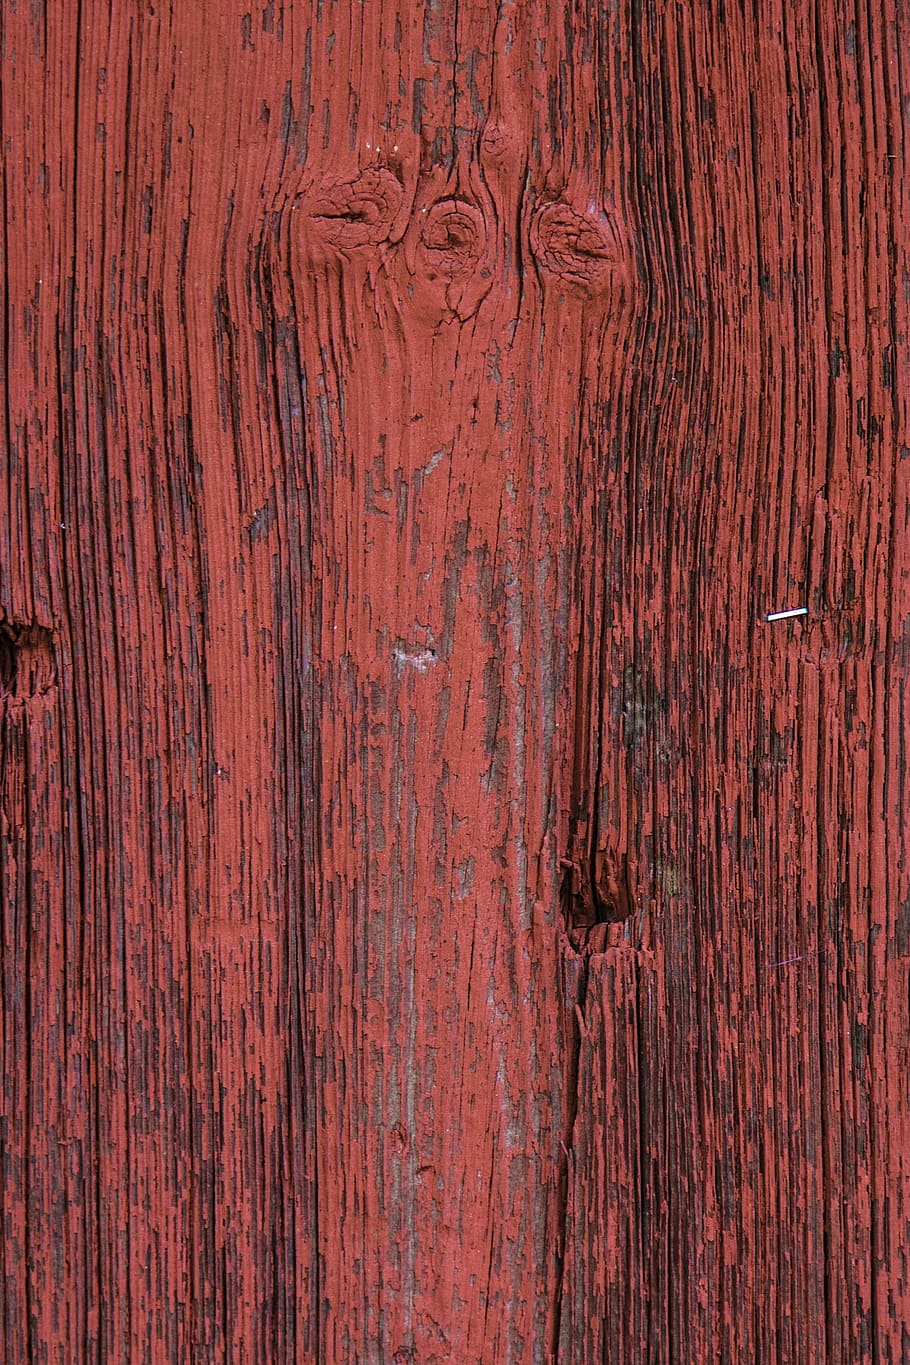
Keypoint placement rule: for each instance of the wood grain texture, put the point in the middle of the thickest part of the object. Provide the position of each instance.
(442, 918)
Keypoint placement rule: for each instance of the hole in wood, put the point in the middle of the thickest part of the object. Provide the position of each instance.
(596, 890)
(613, 897)
(28, 665)
(7, 661)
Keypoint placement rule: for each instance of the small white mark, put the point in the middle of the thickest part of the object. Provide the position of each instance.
(395, 147)
(420, 659)
(786, 961)
(783, 615)
(434, 460)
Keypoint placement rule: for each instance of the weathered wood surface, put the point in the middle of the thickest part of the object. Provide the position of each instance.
(442, 919)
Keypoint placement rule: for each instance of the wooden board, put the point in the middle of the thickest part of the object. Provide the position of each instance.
(443, 918)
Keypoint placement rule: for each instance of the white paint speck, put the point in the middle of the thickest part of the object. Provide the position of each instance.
(421, 660)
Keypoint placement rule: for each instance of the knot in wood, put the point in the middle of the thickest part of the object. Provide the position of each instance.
(452, 239)
(581, 249)
(495, 142)
(358, 212)
(500, 147)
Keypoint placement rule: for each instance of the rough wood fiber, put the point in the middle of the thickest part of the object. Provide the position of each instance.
(442, 920)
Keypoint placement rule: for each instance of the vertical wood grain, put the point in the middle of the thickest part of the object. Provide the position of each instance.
(754, 779)
(442, 918)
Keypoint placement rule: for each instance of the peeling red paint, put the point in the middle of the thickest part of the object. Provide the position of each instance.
(443, 917)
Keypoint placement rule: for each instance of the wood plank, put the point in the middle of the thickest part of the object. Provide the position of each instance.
(443, 918)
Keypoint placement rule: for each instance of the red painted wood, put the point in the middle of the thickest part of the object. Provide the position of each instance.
(443, 919)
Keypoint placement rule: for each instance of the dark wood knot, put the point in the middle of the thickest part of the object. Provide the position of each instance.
(597, 887)
(581, 249)
(28, 662)
(614, 897)
(359, 212)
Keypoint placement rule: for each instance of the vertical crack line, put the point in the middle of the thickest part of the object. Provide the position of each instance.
(29, 1144)
(572, 1083)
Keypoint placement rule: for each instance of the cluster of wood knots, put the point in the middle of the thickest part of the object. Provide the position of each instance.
(451, 243)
